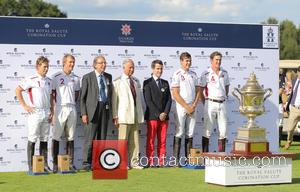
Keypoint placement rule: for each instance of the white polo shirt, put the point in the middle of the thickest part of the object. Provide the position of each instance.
(39, 91)
(186, 81)
(214, 84)
(65, 87)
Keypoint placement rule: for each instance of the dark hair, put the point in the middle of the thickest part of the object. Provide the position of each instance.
(185, 55)
(298, 69)
(41, 60)
(215, 53)
(156, 61)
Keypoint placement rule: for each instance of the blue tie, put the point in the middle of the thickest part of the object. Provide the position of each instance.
(295, 91)
(102, 89)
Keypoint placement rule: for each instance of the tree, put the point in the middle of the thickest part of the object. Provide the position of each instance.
(29, 8)
(271, 20)
(289, 48)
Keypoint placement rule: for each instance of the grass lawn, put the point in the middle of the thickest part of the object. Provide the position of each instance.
(154, 180)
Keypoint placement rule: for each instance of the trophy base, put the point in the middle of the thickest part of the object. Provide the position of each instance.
(255, 134)
(251, 141)
(250, 148)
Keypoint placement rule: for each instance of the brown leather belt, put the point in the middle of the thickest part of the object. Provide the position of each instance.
(215, 100)
(297, 107)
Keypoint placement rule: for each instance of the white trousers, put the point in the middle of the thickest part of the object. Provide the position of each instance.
(65, 119)
(185, 124)
(215, 113)
(38, 125)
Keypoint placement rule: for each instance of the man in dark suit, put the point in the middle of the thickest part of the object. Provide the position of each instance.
(293, 107)
(158, 103)
(95, 105)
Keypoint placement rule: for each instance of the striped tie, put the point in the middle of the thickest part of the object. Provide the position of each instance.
(102, 89)
(132, 88)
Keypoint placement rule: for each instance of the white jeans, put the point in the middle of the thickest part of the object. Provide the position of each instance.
(215, 112)
(185, 124)
(38, 125)
(65, 119)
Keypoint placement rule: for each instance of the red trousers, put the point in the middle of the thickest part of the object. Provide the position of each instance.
(160, 128)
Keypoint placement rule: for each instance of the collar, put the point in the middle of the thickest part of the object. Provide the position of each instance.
(66, 74)
(97, 73)
(39, 76)
(124, 76)
(155, 77)
(212, 71)
(183, 71)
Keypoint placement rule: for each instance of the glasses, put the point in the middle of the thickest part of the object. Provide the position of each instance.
(103, 62)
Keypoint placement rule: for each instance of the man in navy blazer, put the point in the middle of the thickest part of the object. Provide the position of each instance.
(293, 107)
(158, 103)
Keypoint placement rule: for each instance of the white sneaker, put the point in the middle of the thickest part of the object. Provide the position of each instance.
(137, 167)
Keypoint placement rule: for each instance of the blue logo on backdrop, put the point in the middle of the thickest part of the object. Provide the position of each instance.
(126, 54)
(270, 35)
(152, 55)
(44, 53)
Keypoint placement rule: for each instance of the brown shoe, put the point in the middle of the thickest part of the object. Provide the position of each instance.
(287, 146)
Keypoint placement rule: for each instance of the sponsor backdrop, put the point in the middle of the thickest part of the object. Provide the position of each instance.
(245, 48)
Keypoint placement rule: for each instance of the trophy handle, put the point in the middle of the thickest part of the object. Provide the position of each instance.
(235, 95)
(268, 93)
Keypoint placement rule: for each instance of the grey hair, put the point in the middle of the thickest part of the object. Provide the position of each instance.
(97, 57)
(127, 61)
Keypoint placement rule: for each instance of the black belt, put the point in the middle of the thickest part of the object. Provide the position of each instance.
(215, 100)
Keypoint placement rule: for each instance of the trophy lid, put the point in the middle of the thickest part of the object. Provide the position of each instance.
(252, 85)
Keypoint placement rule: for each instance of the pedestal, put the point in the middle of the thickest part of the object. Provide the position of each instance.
(195, 160)
(229, 169)
(64, 164)
(38, 166)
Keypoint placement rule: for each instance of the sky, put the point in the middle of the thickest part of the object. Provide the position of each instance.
(228, 11)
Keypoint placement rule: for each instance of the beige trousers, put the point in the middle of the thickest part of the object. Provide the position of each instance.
(130, 133)
(294, 117)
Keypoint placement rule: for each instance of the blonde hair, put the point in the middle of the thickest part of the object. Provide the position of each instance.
(290, 75)
(41, 60)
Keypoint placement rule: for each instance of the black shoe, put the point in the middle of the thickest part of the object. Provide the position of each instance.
(86, 167)
(73, 168)
(47, 169)
(55, 168)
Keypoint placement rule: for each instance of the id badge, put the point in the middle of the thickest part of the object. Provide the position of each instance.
(106, 106)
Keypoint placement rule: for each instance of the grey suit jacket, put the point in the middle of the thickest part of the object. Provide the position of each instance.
(90, 92)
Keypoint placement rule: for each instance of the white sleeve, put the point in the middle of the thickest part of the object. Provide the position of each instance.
(202, 81)
(26, 84)
(175, 82)
(53, 83)
(226, 79)
(196, 80)
(77, 86)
